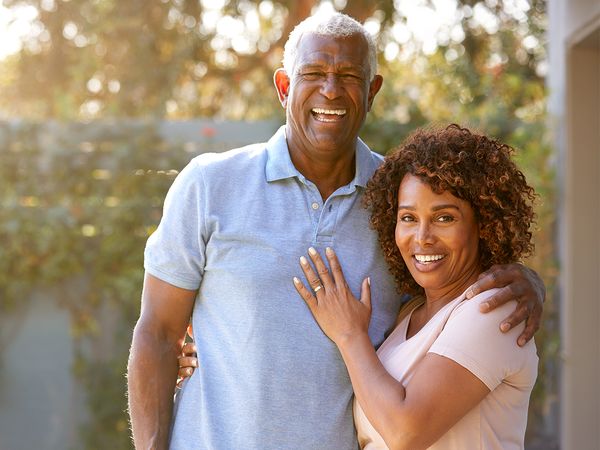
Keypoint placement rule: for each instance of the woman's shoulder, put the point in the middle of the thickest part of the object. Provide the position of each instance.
(483, 328)
(474, 340)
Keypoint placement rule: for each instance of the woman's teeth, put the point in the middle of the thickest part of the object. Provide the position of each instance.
(424, 259)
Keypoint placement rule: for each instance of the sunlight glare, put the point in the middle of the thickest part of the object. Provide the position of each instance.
(15, 25)
(325, 7)
(265, 8)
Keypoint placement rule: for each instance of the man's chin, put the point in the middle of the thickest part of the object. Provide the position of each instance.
(328, 143)
(334, 153)
(329, 137)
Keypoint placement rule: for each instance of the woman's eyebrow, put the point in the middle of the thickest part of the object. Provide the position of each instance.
(449, 205)
(435, 208)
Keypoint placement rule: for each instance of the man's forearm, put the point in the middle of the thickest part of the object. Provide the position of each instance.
(152, 374)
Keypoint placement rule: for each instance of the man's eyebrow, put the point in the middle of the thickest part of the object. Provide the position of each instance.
(322, 65)
(350, 68)
(311, 65)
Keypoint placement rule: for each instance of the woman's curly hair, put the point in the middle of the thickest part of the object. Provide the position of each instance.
(472, 167)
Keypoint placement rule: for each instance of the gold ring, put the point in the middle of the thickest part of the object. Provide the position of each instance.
(317, 288)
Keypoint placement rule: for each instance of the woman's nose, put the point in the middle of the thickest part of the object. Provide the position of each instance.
(424, 234)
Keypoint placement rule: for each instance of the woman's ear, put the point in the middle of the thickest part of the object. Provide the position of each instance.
(282, 84)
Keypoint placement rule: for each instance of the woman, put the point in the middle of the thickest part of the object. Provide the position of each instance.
(447, 205)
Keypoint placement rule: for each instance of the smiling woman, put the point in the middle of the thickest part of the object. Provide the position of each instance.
(473, 169)
(438, 237)
(447, 205)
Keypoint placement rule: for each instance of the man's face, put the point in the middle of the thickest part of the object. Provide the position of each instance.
(328, 96)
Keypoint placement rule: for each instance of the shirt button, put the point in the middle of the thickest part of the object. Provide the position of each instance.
(315, 206)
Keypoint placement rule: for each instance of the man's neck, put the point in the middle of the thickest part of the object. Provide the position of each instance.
(328, 176)
(329, 172)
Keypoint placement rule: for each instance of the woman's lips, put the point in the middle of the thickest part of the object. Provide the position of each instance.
(427, 263)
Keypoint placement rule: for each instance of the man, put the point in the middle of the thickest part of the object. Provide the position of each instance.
(226, 251)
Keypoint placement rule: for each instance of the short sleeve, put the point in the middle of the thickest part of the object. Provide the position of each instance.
(474, 340)
(175, 252)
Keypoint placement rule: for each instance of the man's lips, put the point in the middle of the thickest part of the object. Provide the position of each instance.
(328, 115)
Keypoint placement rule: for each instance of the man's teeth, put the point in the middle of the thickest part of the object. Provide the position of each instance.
(428, 258)
(338, 112)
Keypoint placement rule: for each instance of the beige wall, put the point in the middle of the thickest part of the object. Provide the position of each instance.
(581, 285)
(577, 13)
(574, 104)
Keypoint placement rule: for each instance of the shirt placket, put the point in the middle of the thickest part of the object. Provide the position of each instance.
(324, 214)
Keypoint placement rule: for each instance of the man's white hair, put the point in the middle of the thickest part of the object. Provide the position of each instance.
(332, 24)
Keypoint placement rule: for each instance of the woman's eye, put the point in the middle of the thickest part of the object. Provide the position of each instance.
(445, 218)
(407, 218)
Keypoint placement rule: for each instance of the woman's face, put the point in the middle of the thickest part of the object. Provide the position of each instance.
(438, 237)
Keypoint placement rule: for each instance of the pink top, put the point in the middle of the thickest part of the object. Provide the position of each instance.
(472, 339)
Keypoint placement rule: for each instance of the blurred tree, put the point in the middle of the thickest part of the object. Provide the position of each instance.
(184, 58)
(138, 58)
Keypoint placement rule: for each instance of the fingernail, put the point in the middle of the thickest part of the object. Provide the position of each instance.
(469, 293)
(303, 261)
(369, 281)
(521, 342)
(505, 326)
(312, 251)
(195, 363)
(296, 280)
(485, 307)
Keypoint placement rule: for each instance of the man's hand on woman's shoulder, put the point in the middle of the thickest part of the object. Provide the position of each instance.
(515, 282)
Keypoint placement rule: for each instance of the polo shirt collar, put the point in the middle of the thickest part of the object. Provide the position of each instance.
(279, 163)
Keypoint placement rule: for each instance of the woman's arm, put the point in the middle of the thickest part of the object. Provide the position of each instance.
(440, 393)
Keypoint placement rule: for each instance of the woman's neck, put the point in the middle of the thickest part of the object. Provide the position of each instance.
(436, 299)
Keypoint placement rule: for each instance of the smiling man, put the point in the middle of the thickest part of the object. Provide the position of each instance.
(326, 101)
(227, 247)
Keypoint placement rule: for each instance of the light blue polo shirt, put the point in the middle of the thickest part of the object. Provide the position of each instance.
(234, 227)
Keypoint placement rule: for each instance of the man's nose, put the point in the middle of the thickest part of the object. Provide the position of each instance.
(331, 86)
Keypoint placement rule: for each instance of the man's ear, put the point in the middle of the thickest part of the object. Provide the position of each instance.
(374, 87)
(282, 84)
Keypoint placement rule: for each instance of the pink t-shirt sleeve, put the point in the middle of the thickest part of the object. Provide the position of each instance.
(474, 340)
